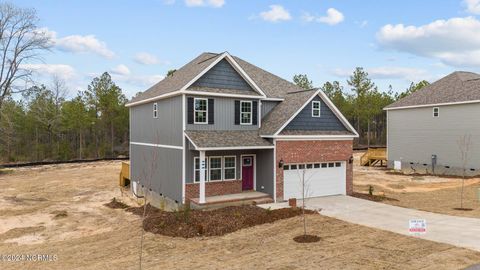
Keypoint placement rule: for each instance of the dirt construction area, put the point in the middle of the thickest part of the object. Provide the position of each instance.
(439, 194)
(59, 211)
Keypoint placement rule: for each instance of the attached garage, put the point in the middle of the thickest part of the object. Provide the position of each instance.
(321, 179)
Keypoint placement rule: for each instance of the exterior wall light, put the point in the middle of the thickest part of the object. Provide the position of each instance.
(280, 163)
(350, 160)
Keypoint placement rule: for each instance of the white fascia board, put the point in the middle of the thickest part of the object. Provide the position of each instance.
(314, 138)
(233, 148)
(432, 105)
(167, 95)
(296, 113)
(245, 76)
(158, 145)
(194, 145)
(201, 93)
(337, 112)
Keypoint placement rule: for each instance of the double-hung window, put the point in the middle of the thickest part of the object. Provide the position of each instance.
(215, 170)
(436, 111)
(155, 110)
(316, 109)
(229, 166)
(245, 112)
(200, 110)
(196, 170)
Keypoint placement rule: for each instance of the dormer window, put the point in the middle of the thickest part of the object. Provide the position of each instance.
(155, 110)
(315, 108)
(436, 111)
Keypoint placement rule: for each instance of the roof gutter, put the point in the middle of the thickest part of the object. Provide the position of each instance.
(432, 105)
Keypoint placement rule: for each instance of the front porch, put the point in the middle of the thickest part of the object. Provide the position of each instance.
(245, 197)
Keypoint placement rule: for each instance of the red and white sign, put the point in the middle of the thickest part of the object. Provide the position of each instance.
(417, 226)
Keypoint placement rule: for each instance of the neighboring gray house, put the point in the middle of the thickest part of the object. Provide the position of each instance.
(220, 125)
(424, 128)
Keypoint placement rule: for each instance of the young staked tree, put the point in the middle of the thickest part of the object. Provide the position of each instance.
(302, 81)
(464, 144)
(21, 42)
(305, 186)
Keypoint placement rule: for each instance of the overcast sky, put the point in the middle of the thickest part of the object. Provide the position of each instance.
(139, 41)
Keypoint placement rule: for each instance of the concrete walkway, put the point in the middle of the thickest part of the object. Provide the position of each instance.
(458, 231)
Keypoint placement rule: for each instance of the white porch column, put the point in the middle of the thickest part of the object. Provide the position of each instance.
(202, 176)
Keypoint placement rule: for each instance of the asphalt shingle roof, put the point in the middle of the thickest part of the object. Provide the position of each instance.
(272, 85)
(277, 117)
(210, 139)
(459, 86)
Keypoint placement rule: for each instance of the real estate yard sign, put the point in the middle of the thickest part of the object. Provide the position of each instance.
(417, 226)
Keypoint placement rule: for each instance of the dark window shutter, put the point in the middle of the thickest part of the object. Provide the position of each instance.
(190, 110)
(211, 109)
(254, 112)
(237, 112)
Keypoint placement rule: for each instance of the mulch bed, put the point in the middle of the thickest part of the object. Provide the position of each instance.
(375, 198)
(114, 204)
(306, 238)
(463, 209)
(191, 223)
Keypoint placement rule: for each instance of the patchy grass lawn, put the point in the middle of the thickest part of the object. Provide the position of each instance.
(59, 210)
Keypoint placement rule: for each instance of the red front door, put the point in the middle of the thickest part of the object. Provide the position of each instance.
(247, 172)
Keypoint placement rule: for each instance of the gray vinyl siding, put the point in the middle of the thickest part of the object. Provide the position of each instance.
(223, 75)
(267, 106)
(159, 169)
(414, 134)
(166, 129)
(327, 120)
(264, 166)
(224, 115)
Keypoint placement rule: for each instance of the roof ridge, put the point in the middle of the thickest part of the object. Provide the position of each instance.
(300, 91)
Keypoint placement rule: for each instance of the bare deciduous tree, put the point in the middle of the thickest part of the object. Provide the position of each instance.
(305, 186)
(464, 146)
(21, 42)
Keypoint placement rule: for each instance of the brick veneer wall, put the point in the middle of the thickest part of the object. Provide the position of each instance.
(313, 151)
(192, 190)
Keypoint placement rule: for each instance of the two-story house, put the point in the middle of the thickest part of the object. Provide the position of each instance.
(220, 125)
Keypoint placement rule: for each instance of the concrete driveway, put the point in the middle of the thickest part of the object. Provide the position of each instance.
(458, 231)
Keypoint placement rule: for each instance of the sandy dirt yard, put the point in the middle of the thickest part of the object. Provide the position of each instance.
(58, 211)
(430, 193)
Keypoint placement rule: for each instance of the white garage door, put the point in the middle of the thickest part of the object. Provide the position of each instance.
(321, 179)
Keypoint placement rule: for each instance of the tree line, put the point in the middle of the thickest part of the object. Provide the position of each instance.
(43, 125)
(363, 104)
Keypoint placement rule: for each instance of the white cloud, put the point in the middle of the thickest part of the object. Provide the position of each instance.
(473, 6)
(144, 80)
(146, 58)
(80, 44)
(205, 3)
(275, 14)
(120, 70)
(404, 73)
(455, 41)
(63, 71)
(333, 17)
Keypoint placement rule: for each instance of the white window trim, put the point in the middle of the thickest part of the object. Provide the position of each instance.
(195, 111)
(194, 169)
(251, 112)
(155, 110)
(210, 168)
(234, 168)
(438, 111)
(316, 109)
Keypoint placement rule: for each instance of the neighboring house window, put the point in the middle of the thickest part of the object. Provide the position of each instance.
(229, 167)
(196, 170)
(200, 110)
(436, 111)
(155, 110)
(316, 109)
(215, 169)
(245, 112)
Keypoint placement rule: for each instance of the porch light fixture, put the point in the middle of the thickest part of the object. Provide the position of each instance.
(280, 163)
(350, 160)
